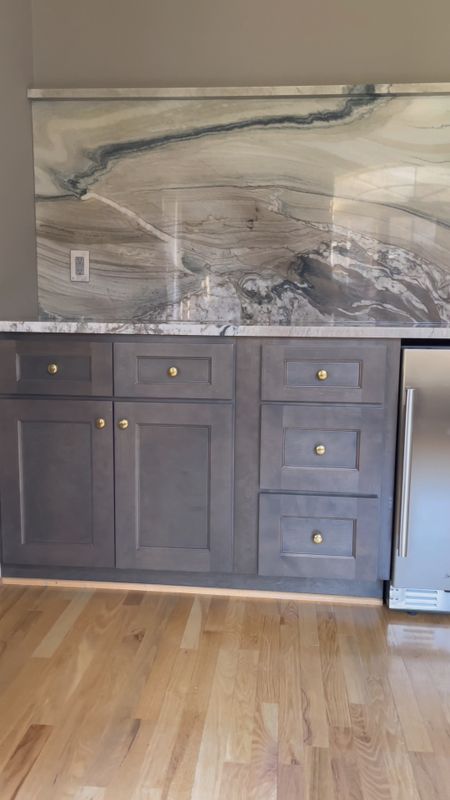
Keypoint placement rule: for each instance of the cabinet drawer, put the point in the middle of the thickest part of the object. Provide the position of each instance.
(55, 367)
(322, 448)
(341, 372)
(318, 537)
(174, 370)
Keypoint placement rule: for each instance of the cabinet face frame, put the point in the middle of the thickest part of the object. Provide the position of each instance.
(22, 472)
(217, 418)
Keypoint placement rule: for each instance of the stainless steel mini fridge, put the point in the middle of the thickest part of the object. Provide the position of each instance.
(421, 564)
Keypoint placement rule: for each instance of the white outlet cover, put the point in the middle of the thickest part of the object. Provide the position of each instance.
(79, 265)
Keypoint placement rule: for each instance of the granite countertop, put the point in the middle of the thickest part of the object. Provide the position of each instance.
(223, 329)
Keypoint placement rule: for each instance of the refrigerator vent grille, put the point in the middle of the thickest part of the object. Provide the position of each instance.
(419, 599)
(422, 597)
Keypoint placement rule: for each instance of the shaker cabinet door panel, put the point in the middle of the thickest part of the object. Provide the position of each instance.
(319, 537)
(174, 486)
(322, 448)
(324, 371)
(56, 482)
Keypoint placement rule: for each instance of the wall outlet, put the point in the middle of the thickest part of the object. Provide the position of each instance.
(79, 265)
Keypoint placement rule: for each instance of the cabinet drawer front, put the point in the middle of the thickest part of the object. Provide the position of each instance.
(344, 372)
(56, 482)
(318, 537)
(322, 448)
(174, 370)
(55, 367)
(174, 486)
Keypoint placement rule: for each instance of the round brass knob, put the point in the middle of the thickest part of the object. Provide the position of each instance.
(322, 374)
(320, 449)
(123, 424)
(100, 423)
(172, 372)
(317, 537)
(52, 369)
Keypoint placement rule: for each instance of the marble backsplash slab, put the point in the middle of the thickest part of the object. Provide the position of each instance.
(279, 209)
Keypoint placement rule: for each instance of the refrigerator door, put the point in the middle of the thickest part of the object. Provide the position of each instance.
(422, 536)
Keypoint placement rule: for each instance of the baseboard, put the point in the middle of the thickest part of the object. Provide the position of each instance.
(261, 594)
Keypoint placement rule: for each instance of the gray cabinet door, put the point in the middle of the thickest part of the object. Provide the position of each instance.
(56, 483)
(307, 536)
(322, 448)
(174, 486)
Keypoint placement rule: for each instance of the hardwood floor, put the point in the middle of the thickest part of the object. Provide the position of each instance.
(115, 695)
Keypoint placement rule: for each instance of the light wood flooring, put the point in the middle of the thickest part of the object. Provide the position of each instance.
(116, 695)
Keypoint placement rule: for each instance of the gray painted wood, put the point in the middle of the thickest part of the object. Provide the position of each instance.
(84, 367)
(207, 579)
(205, 370)
(174, 486)
(349, 526)
(356, 371)
(56, 482)
(247, 455)
(389, 453)
(353, 438)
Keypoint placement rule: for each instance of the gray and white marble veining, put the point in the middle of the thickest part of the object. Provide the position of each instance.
(423, 332)
(247, 211)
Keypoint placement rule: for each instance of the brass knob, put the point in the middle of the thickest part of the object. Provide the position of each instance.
(100, 423)
(317, 537)
(320, 449)
(322, 374)
(172, 372)
(52, 369)
(123, 424)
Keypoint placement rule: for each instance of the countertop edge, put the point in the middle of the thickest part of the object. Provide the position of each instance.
(222, 329)
(186, 92)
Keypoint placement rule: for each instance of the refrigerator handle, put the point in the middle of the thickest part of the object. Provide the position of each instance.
(406, 475)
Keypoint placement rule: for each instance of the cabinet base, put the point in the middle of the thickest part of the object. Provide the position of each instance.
(197, 583)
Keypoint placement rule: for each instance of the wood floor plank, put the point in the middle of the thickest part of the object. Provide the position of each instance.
(123, 695)
(51, 641)
(22, 760)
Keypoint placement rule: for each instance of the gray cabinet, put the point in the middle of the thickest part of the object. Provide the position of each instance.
(332, 434)
(174, 486)
(56, 479)
(254, 461)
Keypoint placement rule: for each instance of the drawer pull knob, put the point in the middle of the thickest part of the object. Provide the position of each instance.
(123, 424)
(317, 537)
(100, 423)
(172, 372)
(320, 449)
(52, 369)
(322, 374)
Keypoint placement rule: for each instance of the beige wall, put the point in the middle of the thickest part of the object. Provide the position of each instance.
(188, 42)
(201, 42)
(17, 251)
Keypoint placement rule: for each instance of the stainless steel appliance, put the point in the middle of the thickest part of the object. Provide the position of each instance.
(421, 566)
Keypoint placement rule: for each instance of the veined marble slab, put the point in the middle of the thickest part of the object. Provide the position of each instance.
(425, 332)
(309, 208)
